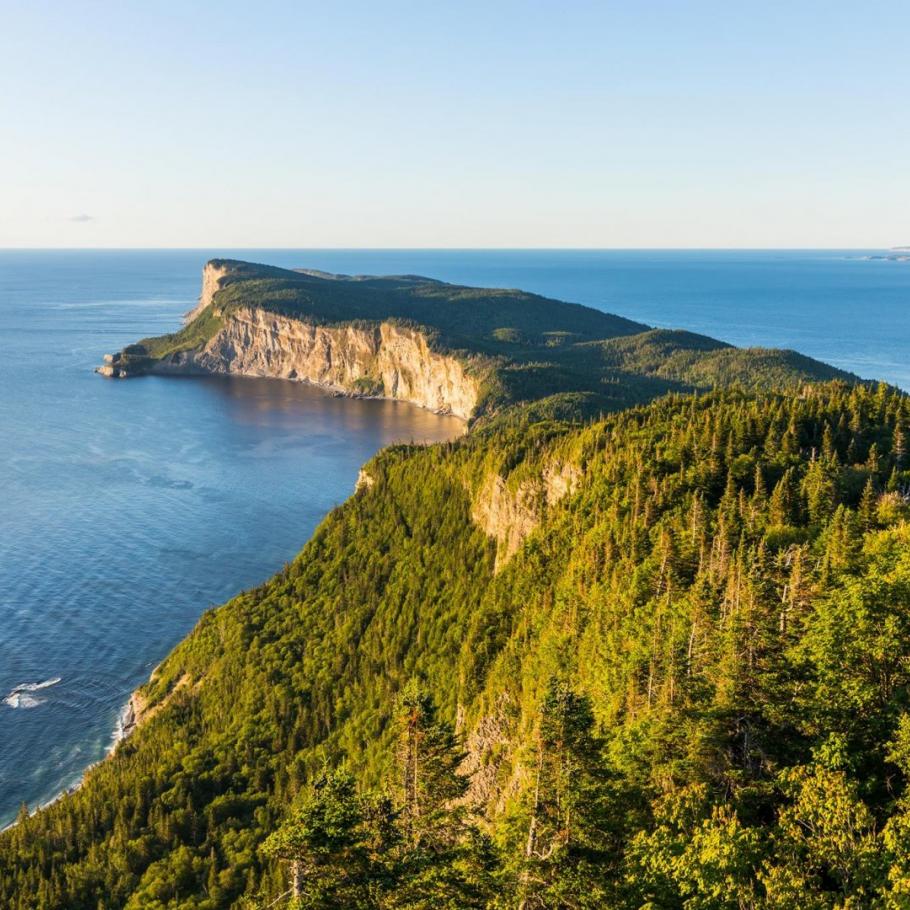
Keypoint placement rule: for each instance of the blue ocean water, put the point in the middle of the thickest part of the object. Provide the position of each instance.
(129, 507)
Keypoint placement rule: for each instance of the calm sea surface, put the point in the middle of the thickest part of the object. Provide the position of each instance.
(127, 508)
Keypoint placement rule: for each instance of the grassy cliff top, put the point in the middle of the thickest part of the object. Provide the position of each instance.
(483, 319)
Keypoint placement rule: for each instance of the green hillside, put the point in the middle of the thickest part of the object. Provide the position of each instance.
(460, 317)
(690, 682)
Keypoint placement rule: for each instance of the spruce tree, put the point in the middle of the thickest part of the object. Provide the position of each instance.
(443, 861)
(333, 860)
(570, 854)
(867, 505)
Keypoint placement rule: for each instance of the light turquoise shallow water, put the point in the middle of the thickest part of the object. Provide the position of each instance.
(127, 508)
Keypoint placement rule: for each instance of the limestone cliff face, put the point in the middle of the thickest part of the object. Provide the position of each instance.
(365, 481)
(381, 360)
(384, 360)
(213, 276)
(509, 514)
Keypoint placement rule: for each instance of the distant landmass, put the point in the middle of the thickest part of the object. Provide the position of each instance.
(896, 254)
(471, 352)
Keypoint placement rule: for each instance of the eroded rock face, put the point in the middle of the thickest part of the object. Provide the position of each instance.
(138, 709)
(385, 360)
(212, 281)
(489, 761)
(510, 514)
(365, 481)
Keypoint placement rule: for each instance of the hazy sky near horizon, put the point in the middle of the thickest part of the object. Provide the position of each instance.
(469, 124)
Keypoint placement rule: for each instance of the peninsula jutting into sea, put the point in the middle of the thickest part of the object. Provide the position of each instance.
(470, 352)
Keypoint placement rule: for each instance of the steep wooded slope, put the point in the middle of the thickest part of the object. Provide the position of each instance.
(725, 578)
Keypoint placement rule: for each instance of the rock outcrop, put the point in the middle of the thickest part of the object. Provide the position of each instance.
(365, 481)
(509, 513)
(138, 710)
(383, 361)
(489, 757)
(213, 277)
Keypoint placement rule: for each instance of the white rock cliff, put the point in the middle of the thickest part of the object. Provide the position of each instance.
(381, 360)
(385, 360)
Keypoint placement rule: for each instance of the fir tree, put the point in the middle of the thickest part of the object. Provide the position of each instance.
(332, 858)
(444, 862)
(569, 851)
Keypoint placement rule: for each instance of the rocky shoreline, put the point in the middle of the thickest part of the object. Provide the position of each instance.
(110, 370)
(129, 719)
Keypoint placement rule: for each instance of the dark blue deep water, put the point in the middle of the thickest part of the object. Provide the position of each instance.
(127, 508)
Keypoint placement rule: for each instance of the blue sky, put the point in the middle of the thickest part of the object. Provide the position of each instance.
(497, 124)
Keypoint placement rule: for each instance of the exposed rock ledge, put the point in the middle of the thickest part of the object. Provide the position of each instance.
(509, 515)
(138, 711)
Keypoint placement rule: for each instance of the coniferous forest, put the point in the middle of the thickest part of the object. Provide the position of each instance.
(687, 684)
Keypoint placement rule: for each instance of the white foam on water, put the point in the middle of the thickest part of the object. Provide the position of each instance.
(33, 687)
(19, 697)
(22, 700)
(119, 733)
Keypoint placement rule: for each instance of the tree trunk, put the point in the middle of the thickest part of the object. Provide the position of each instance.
(531, 845)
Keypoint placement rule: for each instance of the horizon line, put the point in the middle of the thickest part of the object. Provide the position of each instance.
(461, 249)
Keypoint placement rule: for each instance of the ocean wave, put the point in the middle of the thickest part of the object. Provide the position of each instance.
(23, 700)
(19, 695)
(33, 687)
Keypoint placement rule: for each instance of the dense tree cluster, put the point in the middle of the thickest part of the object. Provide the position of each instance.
(423, 848)
(688, 688)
